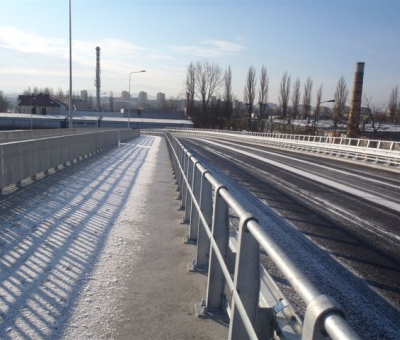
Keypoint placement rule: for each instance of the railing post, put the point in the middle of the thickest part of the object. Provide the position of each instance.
(220, 232)
(184, 164)
(194, 214)
(246, 280)
(178, 173)
(203, 241)
(188, 197)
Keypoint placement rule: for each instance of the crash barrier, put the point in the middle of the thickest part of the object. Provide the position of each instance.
(236, 280)
(14, 136)
(367, 150)
(24, 159)
(126, 134)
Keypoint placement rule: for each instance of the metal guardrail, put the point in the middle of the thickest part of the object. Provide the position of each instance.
(19, 135)
(372, 151)
(359, 142)
(206, 204)
(24, 159)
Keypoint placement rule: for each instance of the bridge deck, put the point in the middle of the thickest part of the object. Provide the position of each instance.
(94, 251)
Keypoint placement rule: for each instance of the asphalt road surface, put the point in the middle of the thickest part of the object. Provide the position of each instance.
(347, 216)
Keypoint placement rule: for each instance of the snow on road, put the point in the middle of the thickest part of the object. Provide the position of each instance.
(62, 231)
(372, 197)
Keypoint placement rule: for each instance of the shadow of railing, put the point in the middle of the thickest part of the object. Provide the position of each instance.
(53, 231)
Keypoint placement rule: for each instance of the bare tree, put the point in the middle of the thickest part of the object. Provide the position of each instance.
(61, 96)
(27, 92)
(47, 90)
(90, 102)
(250, 92)
(307, 98)
(263, 95)
(341, 94)
(173, 103)
(208, 78)
(284, 93)
(295, 99)
(393, 102)
(111, 100)
(190, 85)
(316, 112)
(3, 102)
(377, 115)
(227, 97)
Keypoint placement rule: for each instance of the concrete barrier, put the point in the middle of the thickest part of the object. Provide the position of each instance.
(23, 159)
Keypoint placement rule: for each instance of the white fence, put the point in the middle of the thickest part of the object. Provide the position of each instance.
(23, 159)
(207, 203)
(367, 150)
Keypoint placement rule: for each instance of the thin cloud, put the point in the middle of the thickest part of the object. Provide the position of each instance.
(30, 71)
(25, 42)
(240, 39)
(83, 52)
(211, 48)
(160, 57)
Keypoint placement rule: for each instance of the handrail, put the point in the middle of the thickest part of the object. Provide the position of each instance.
(359, 142)
(207, 203)
(372, 151)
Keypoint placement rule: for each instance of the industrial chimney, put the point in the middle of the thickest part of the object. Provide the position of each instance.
(353, 130)
(97, 81)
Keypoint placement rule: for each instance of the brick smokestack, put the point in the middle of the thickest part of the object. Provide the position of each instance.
(353, 130)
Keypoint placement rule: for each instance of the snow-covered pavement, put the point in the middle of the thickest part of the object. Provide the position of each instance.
(94, 251)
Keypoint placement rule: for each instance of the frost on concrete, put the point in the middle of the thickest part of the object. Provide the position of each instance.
(64, 240)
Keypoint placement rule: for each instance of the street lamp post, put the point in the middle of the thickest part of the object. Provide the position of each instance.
(70, 69)
(317, 112)
(129, 103)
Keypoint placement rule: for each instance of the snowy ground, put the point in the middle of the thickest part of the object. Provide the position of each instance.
(63, 240)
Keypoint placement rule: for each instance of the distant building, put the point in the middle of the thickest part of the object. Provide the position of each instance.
(125, 96)
(41, 104)
(79, 104)
(160, 100)
(160, 97)
(84, 95)
(142, 99)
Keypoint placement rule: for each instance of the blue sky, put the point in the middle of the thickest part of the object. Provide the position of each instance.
(320, 39)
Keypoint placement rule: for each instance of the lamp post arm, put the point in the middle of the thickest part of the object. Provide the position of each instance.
(129, 100)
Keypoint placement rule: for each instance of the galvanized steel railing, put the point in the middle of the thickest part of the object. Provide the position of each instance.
(372, 151)
(23, 159)
(206, 203)
(360, 142)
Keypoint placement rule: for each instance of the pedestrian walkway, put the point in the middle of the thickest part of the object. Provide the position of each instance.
(95, 251)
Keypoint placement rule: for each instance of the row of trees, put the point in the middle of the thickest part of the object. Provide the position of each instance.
(3, 102)
(205, 80)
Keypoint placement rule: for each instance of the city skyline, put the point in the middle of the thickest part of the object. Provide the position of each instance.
(320, 39)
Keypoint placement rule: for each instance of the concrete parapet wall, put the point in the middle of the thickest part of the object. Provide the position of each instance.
(129, 134)
(23, 159)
